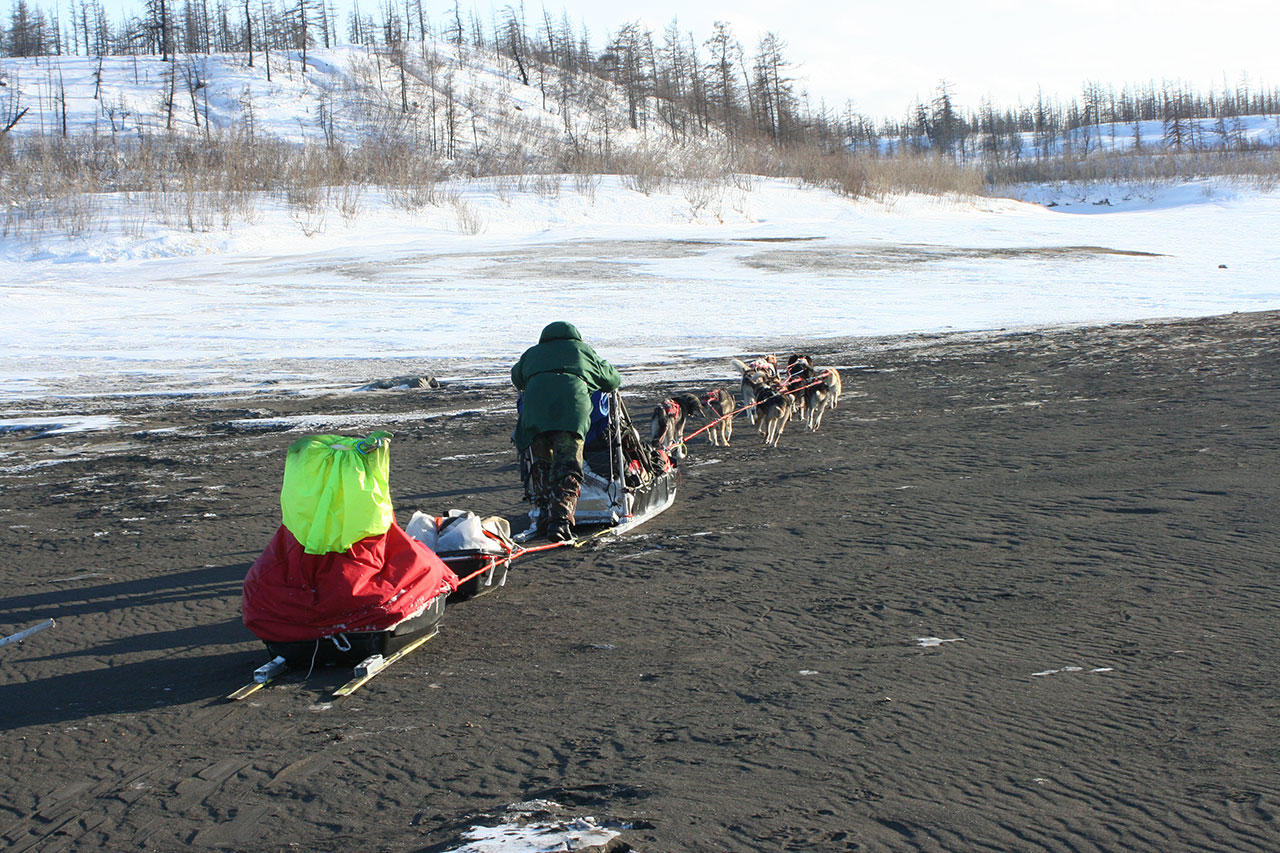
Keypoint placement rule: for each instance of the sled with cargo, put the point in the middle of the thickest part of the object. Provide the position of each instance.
(341, 583)
(626, 480)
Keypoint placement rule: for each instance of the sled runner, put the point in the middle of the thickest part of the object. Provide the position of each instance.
(374, 664)
(626, 481)
(348, 648)
(393, 649)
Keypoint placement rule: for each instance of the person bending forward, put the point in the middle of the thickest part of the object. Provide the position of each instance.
(557, 377)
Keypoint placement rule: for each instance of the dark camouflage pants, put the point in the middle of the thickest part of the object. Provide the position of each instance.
(556, 473)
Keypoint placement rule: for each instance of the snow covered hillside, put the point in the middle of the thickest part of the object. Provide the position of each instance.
(453, 100)
(450, 99)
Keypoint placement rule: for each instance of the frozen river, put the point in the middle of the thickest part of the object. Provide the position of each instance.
(376, 303)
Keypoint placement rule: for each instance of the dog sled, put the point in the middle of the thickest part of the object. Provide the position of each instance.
(626, 481)
(340, 583)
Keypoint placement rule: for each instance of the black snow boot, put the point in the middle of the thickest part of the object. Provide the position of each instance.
(560, 531)
(564, 501)
(540, 486)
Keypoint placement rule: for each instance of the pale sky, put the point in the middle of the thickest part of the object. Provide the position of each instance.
(884, 54)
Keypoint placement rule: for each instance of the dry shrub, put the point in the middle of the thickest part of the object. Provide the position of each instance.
(645, 169)
(853, 175)
(839, 172)
(927, 174)
(584, 167)
(347, 199)
(409, 196)
(506, 187)
(586, 184)
(469, 219)
(576, 161)
(75, 211)
(305, 182)
(703, 180)
(409, 178)
(547, 185)
(311, 220)
(742, 181)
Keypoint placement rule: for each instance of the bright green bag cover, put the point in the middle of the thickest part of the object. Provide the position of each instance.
(335, 491)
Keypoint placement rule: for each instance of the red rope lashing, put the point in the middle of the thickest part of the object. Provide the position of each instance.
(488, 564)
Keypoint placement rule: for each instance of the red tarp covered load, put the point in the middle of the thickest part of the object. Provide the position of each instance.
(376, 583)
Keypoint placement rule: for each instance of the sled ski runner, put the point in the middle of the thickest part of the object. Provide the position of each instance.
(625, 526)
(362, 674)
(262, 676)
(369, 668)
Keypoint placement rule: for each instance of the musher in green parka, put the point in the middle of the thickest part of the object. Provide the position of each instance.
(557, 377)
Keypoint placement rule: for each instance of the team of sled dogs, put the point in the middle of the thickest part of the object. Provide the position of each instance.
(771, 397)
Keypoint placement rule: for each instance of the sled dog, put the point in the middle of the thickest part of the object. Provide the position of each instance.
(825, 395)
(757, 377)
(773, 410)
(799, 375)
(667, 425)
(720, 405)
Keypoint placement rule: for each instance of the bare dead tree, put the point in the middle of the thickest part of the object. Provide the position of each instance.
(248, 30)
(301, 17)
(266, 39)
(326, 23)
(450, 114)
(194, 83)
(455, 33)
(624, 63)
(13, 120)
(170, 95)
(62, 101)
(513, 38)
(159, 22)
(726, 53)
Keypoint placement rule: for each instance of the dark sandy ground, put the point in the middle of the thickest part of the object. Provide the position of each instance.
(1086, 517)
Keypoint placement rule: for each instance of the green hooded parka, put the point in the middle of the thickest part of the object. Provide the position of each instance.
(557, 377)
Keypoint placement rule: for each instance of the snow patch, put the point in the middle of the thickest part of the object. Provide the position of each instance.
(536, 837)
(930, 642)
(1073, 669)
(314, 423)
(43, 427)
